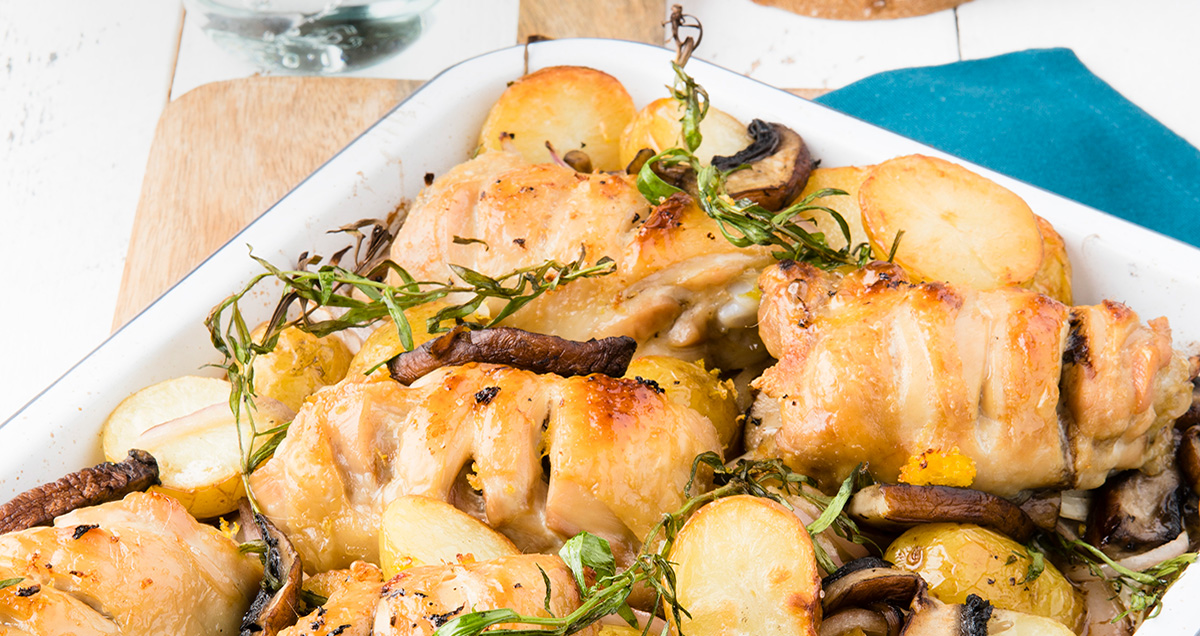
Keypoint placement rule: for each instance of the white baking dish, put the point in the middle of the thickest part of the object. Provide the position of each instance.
(435, 129)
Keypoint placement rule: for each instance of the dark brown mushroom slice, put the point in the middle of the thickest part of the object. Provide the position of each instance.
(278, 603)
(88, 487)
(1135, 512)
(931, 617)
(1042, 507)
(639, 160)
(853, 621)
(778, 161)
(1188, 457)
(579, 161)
(900, 506)
(515, 348)
(862, 586)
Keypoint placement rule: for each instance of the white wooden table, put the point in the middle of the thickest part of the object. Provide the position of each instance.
(82, 84)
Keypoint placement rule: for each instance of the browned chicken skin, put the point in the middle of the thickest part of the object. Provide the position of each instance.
(875, 369)
(618, 454)
(677, 283)
(137, 566)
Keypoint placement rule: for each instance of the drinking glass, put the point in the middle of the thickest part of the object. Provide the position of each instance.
(312, 36)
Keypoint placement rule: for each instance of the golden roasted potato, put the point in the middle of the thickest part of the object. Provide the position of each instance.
(958, 227)
(962, 559)
(572, 107)
(657, 127)
(186, 424)
(848, 179)
(300, 364)
(418, 530)
(1053, 278)
(690, 384)
(745, 565)
(384, 343)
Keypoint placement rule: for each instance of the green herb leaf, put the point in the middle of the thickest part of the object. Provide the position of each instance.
(586, 550)
(459, 240)
(10, 582)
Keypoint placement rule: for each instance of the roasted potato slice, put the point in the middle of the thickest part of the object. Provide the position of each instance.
(418, 530)
(958, 227)
(572, 107)
(847, 179)
(691, 385)
(299, 364)
(186, 424)
(962, 559)
(1053, 278)
(657, 127)
(745, 565)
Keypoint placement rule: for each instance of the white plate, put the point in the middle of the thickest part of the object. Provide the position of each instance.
(436, 128)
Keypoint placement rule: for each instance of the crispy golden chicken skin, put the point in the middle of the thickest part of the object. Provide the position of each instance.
(353, 597)
(875, 369)
(137, 566)
(677, 284)
(419, 600)
(538, 457)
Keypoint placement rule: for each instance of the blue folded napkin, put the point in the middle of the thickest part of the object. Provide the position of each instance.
(1040, 116)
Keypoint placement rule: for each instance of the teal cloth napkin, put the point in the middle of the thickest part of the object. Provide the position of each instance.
(1040, 116)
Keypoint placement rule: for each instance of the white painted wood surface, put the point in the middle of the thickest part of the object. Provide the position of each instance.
(82, 84)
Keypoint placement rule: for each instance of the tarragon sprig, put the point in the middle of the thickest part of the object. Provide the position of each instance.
(742, 221)
(360, 296)
(609, 594)
(1146, 587)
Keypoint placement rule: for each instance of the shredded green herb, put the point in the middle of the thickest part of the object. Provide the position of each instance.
(1145, 588)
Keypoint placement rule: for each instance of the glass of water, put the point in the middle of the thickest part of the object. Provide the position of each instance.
(312, 36)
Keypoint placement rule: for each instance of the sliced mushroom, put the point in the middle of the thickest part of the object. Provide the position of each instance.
(932, 617)
(902, 506)
(515, 348)
(1188, 457)
(865, 621)
(278, 604)
(779, 165)
(639, 160)
(1135, 512)
(87, 487)
(1191, 417)
(1043, 508)
(868, 580)
(579, 161)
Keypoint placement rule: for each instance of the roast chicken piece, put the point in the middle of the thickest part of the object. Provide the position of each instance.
(353, 597)
(538, 457)
(680, 288)
(1040, 395)
(419, 600)
(137, 566)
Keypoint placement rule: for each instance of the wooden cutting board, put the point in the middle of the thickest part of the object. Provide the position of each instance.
(223, 153)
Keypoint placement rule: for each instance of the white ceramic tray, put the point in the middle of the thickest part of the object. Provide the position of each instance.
(435, 129)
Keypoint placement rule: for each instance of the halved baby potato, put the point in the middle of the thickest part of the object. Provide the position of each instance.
(186, 424)
(745, 565)
(572, 107)
(958, 560)
(299, 364)
(693, 386)
(958, 226)
(657, 127)
(417, 530)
